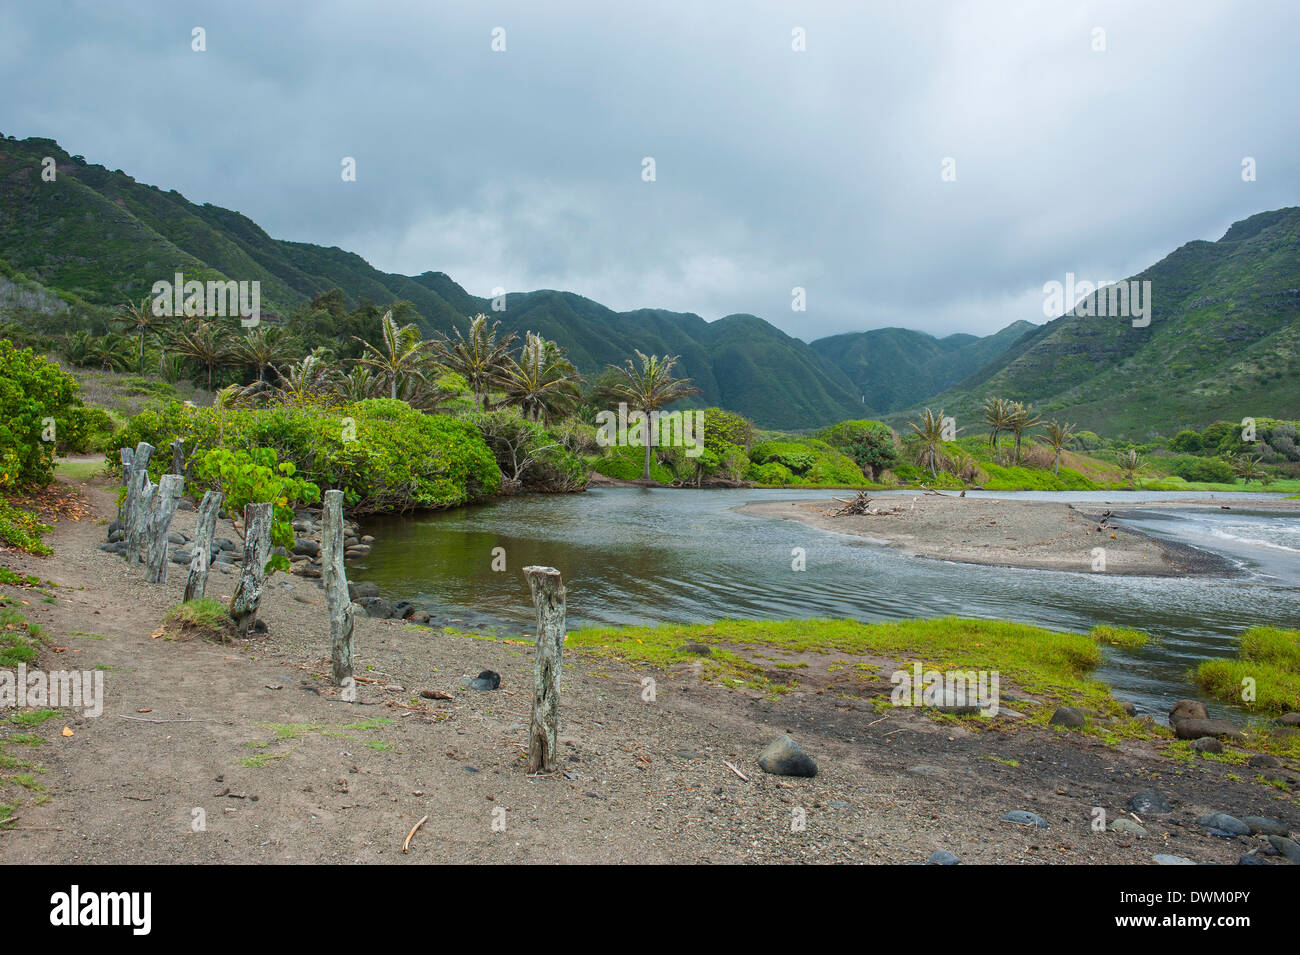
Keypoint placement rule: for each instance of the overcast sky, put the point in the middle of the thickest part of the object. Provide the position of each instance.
(774, 168)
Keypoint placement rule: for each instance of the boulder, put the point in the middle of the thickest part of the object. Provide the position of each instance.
(1022, 817)
(1149, 803)
(942, 857)
(1187, 710)
(375, 606)
(1192, 728)
(1128, 826)
(783, 757)
(1207, 744)
(402, 609)
(306, 547)
(1221, 823)
(1069, 716)
(1289, 719)
(486, 680)
(357, 591)
(1265, 826)
(1287, 847)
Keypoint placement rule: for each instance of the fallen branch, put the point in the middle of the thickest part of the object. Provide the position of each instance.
(142, 719)
(406, 846)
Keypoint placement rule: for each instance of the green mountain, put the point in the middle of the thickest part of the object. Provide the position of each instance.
(893, 368)
(1223, 343)
(99, 237)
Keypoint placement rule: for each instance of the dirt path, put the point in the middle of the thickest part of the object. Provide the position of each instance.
(284, 771)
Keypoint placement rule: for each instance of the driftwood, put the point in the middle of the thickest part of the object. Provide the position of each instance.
(178, 457)
(336, 587)
(162, 509)
(858, 505)
(197, 582)
(138, 524)
(252, 578)
(548, 595)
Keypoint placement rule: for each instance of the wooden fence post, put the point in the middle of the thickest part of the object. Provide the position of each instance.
(178, 457)
(197, 582)
(138, 523)
(336, 587)
(128, 458)
(159, 522)
(137, 481)
(257, 551)
(548, 596)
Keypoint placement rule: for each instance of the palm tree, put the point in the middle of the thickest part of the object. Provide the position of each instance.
(402, 354)
(1020, 419)
(648, 389)
(997, 412)
(358, 385)
(1130, 463)
(543, 382)
(138, 318)
(1246, 467)
(479, 356)
(108, 353)
(263, 348)
(303, 383)
(206, 343)
(1058, 436)
(931, 431)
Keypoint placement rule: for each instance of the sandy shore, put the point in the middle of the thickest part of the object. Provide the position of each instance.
(253, 738)
(1043, 535)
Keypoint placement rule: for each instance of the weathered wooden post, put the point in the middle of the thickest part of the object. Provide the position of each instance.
(137, 478)
(548, 597)
(161, 511)
(197, 582)
(128, 457)
(336, 587)
(178, 457)
(138, 523)
(257, 551)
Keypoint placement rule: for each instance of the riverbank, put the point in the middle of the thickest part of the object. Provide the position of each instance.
(251, 738)
(1040, 535)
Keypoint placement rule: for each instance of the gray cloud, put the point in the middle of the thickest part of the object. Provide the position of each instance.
(775, 168)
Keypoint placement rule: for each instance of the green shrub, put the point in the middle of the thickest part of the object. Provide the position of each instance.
(33, 393)
(22, 529)
(1204, 470)
(773, 473)
(871, 444)
(798, 458)
(528, 454)
(625, 463)
(383, 454)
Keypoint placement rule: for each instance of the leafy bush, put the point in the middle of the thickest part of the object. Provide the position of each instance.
(1206, 470)
(798, 458)
(625, 462)
(528, 454)
(22, 529)
(257, 477)
(727, 428)
(1186, 442)
(773, 473)
(33, 393)
(384, 455)
(871, 444)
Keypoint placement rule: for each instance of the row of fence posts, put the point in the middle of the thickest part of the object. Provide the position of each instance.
(147, 514)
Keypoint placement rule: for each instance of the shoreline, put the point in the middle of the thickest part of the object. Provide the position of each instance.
(1000, 532)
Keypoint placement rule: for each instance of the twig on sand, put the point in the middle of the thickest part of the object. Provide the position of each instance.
(736, 771)
(141, 719)
(881, 720)
(406, 846)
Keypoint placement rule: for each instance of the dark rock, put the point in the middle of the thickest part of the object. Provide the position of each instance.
(402, 609)
(1070, 716)
(1023, 818)
(1192, 728)
(1187, 710)
(116, 527)
(1149, 803)
(1128, 708)
(185, 504)
(421, 617)
(357, 591)
(486, 680)
(942, 857)
(176, 537)
(698, 649)
(783, 757)
(114, 536)
(1287, 847)
(307, 547)
(1263, 761)
(1207, 744)
(117, 547)
(180, 557)
(1289, 719)
(1250, 858)
(376, 607)
(224, 543)
(1221, 822)
(1265, 825)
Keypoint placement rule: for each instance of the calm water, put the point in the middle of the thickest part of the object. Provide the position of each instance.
(633, 555)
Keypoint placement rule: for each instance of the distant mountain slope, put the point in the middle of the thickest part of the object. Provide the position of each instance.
(893, 368)
(1223, 343)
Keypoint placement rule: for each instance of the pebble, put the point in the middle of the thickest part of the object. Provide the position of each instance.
(1149, 802)
(1127, 826)
(1163, 859)
(942, 857)
(1220, 823)
(1024, 818)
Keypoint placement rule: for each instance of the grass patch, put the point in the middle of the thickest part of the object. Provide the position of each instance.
(1045, 663)
(1120, 636)
(205, 618)
(19, 640)
(1269, 660)
(77, 470)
